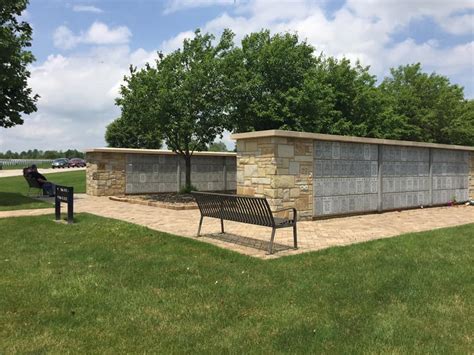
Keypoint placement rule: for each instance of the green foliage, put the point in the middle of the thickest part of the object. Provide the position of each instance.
(461, 129)
(15, 95)
(40, 154)
(106, 286)
(182, 97)
(218, 147)
(277, 82)
(187, 189)
(340, 98)
(268, 78)
(126, 133)
(137, 127)
(426, 107)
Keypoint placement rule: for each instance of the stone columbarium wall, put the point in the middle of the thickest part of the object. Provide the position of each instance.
(471, 178)
(325, 175)
(120, 171)
(278, 168)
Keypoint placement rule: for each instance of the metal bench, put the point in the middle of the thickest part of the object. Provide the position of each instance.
(243, 209)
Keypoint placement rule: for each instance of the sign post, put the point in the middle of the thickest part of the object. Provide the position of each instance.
(64, 194)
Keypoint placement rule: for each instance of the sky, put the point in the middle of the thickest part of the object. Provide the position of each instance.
(83, 48)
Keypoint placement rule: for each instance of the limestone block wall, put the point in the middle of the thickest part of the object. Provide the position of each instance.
(279, 169)
(105, 174)
(118, 171)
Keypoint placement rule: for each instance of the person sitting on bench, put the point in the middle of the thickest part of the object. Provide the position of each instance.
(47, 186)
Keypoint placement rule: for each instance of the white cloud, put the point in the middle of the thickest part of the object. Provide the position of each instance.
(64, 38)
(78, 90)
(179, 5)
(97, 34)
(77, 99)
(87, 8)
(176, 42)
(458, 24)
(360, 29)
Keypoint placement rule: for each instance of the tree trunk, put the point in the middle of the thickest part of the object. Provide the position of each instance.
(187, 159)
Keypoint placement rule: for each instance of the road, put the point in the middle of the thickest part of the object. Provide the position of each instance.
(19, 172)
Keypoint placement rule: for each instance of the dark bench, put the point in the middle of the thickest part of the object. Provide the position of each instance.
(32, 183)
(244, 209)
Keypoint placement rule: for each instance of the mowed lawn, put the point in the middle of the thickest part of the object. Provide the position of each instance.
(105, 286)
(13, 189)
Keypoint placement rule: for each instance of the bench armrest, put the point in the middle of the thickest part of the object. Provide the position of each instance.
(287, 209)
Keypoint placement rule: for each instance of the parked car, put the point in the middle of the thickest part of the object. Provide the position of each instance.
(77, 163)
(60, 163)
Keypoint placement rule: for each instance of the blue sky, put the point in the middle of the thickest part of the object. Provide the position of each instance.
(84, 47)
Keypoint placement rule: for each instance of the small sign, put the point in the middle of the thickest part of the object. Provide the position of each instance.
(64, 194)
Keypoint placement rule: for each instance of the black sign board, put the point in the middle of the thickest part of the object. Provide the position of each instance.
(65, 194)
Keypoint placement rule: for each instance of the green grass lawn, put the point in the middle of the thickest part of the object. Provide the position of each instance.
(105, 286)
(13, 190)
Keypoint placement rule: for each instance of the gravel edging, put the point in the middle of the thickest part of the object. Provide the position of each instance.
(170, 206)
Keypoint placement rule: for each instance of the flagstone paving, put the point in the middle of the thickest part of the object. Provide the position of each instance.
(253, 240)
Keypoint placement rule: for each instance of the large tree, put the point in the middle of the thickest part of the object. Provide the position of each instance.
(15, 96)
(137, 127)
(268, 81)
(427, 107)
(340, 98)
(278, 82)
(185, 95)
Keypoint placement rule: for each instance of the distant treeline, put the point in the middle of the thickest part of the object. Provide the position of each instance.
(40, 154)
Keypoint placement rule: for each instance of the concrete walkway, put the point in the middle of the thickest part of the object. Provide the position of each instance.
(253, 240)
(19, 172)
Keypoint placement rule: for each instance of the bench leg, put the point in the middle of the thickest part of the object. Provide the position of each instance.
(295, 236)
(222, 226)
(270, 248)
(200, 225)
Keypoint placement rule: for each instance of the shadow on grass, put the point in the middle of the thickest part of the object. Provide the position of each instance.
(11, 199)
(247, 241)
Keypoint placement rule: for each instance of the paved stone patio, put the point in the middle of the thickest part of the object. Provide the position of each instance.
(253, 240)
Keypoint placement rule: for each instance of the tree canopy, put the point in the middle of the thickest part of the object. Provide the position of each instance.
(182, 98)
(268, 75)
(218, 147)
(15, 96)
(190, 96)
(427, 107)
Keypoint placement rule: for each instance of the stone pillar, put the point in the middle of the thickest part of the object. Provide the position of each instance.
(471, 178)
(279, 169)
(105, 174)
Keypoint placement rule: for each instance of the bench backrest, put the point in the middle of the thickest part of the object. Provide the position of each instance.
(245, 209)
(31, 182)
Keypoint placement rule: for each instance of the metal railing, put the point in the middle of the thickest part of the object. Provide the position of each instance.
(22, 163)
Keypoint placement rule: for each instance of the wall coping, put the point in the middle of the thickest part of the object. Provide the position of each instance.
(350, 139)
(155, 152)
